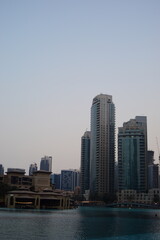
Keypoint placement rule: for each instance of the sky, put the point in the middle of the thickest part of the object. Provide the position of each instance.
(56, 56)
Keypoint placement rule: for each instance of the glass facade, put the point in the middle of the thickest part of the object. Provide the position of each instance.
(46, 163)
(132, 155)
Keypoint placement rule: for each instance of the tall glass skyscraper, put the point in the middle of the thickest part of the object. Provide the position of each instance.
(85, 162)
(46, 163)
(132, 154)
(102, 157)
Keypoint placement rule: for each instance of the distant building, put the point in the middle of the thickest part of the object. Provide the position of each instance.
(1, 169)
(56, 180)
(150, 157)
(18, 170)
(132, 196)
(46, 163)
(69, 180)
(33, 168)
(76, 178)
(132, 155)
(33, 191)
(85, 162)
(153, 170)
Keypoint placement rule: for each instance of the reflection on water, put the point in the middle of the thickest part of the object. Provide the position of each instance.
(80, 224)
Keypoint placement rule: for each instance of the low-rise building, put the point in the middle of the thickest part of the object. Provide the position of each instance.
(39, 200)
(33, 191)
(131, 196)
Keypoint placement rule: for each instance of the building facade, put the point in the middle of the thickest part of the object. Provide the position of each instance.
(132, 155)
(69, 180)
(56, 180)
(46, 163)
(102, 157)
(85, 162)
(153, 170)
(152, 197)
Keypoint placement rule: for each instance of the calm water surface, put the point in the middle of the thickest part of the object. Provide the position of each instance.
(80, 224)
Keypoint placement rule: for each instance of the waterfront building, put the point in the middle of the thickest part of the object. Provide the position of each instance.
(132, 155)
(102, 158)
(33, 191)
(37, 200)
(32, 168)
(152, 197)
(46, 163)
(39, 181)
(85, 162)
(15, 177)
(1, 170)
(56, 180)
(69, 179)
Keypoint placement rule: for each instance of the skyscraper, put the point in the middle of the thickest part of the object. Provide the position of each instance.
(46, 163)
(102, 145)
(32, 168)
(1, 169)
(132, 154)
(85, 162)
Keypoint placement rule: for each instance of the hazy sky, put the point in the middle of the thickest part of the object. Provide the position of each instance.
(56, 56)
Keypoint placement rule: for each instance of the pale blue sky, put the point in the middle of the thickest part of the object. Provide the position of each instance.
(55, 56)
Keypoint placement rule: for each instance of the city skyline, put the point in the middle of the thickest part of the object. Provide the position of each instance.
(56, 56)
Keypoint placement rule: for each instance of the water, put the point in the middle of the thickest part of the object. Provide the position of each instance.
(80, 224)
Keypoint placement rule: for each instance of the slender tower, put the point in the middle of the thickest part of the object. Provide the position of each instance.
(102, 146)
(85, 162)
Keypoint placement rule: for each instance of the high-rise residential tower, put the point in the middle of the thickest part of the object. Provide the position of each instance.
(102, 157)
(132, 154)
(85, 162)
(46, 163)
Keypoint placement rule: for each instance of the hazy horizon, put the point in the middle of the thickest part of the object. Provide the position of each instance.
(56, 56)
